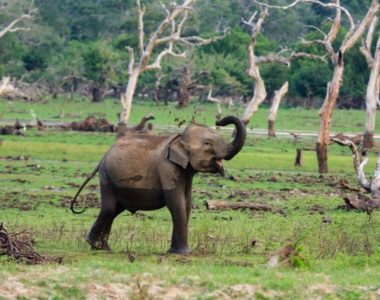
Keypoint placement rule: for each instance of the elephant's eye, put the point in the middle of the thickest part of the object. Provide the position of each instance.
(207, 143)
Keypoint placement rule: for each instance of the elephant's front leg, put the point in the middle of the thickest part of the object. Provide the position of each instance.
(176, 201)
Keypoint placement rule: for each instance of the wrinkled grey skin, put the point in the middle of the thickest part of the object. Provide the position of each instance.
(148, 172)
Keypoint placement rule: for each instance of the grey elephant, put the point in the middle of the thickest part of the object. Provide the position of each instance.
(148, 172)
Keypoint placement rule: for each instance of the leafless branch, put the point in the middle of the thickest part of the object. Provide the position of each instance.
(217, 101)
(31, 15)
(157, 63)
(327, 5)
(365, 49)
(353, 35)
(131, 59)
(141, 13)
(359, 164)
(317, 29)
(198, 41)
(286, 60)
(165, 9)
(21, 249)
(192, 41)
(180, 25)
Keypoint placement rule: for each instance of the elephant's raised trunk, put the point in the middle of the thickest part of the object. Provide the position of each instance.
(239, 140)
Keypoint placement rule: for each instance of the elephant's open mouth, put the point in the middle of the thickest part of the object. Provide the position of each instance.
(219, 166)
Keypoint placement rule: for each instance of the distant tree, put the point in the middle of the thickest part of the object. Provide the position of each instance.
(12, 52)
(308, 80)
(372, 94)
(278, 95)
(222, 59)
(254, 61)
(102, 65)
(15, 15)
(333, 87)
(66, 69)
(187, 84)
(167, 34)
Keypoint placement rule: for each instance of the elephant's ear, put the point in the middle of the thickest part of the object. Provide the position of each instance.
(177, 152)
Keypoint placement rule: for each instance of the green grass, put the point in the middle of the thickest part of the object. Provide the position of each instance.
(229, 248)
(292, 119)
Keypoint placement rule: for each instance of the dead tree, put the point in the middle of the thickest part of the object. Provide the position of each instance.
(188, 84)
(5, 87)
(157, 39)
(141, 127)
(372, 94)
(31, 14)
(253, 71)
(218, 106)
(333, 87)
(278, 95)
(16, 90)
(363, 203)
(157, 84)
(356, 139)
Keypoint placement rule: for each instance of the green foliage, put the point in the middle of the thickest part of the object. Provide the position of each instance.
(235, 42)
(12, 51)
(297, 260)
(72, 42)
(102, 64)
(274, 75)
(36, 59)
(310, 79)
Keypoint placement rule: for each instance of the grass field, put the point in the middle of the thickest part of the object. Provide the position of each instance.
(230, 249)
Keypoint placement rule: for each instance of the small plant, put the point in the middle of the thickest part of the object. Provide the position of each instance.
(289, 255)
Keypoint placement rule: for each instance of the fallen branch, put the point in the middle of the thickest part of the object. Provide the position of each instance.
(363, 203)
(21, 249)
(219, 205)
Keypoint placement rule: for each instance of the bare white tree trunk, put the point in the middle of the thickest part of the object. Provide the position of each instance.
(259, 94)
(354, 33)
(126, 99)
(5, 86)
(158, 38)
(253, 71)
(217, 101)
(362, 203)
(325, 114)
(278, 95)
(230, 103)
(372, 94)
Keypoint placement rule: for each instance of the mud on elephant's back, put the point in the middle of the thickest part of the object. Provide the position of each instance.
(134, 162)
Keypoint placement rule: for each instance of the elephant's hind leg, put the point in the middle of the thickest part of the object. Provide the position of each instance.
(100, 230)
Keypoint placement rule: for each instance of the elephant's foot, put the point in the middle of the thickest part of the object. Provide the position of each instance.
(184, 250)
(98, 245)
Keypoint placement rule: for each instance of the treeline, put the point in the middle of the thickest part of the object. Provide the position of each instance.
(80, 47)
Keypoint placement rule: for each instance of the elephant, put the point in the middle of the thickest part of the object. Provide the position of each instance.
(149, 172)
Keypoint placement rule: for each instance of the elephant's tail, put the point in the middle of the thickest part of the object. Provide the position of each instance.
(81, 188)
